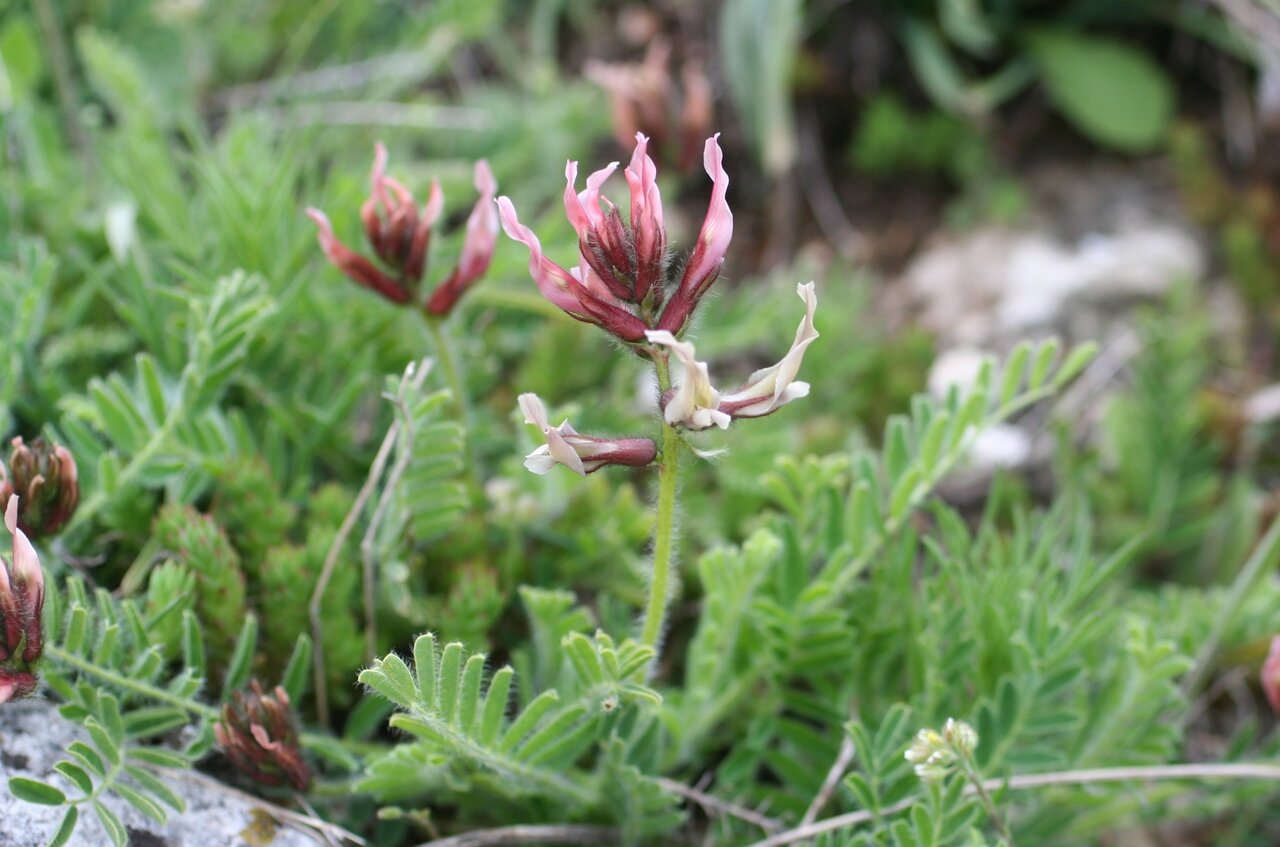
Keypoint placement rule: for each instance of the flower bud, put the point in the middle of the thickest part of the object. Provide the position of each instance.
(44, 476)
(21, 612)
(257, 732)
(582, 454)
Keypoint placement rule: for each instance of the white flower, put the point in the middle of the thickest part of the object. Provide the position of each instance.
(582, 454)
(767, 390)
(694, 405)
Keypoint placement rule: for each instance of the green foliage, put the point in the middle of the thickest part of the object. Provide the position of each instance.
(198, 542)
(464, 741)
(892, 140)
(1111, 91)
(114, 680)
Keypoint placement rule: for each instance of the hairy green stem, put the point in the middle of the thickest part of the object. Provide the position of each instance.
(664, 535)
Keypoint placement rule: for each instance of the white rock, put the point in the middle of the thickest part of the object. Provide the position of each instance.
(1000, 446)
(33, 736)
(959, 367)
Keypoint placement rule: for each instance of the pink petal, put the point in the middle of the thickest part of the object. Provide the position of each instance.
(555, 283)
(713, 241)
(1271, 675)
(477, 247)
(583, 209)
(355, 266)
(717, 227)
(646, 218)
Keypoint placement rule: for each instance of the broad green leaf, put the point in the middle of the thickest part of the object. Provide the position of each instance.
(1110, 90)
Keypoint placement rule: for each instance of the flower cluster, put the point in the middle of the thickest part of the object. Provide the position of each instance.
(400, 234)
(258, 734)
(625, 283)
(934, 754)
(621, 279)
(21, 612)
(44, 476)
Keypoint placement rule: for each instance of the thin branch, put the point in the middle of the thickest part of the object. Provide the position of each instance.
(408, 66)
(384, 502)
(841, 764)
(1040, 780)
(331, 560)
(716, 805)
(365, 113)
(560, 833)
(309, 823)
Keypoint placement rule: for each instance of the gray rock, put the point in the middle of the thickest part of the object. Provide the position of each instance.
(33, 736)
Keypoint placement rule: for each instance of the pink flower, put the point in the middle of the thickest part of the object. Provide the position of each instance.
(400, 235)
(1271, 675)
(621, 279)
(21, 611)
(582, 454)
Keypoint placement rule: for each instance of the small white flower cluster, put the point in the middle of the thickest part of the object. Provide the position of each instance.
(934, 753)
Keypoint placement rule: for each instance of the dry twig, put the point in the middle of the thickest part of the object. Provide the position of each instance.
(335, 549)
(713, 804)
(504, 836)
(1040, 780)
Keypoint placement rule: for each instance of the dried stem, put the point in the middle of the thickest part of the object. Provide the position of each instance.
(309, 823)
(564, 833)
(379, 513)
(841, 764)
(1093, 776)
(716, 805)
(335, 550)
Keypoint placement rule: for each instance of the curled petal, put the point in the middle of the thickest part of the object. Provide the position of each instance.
(694, 404)
(646, 218)
(713, 241)
(583, 209)
(356, 267)
(768, 389)
(555, 283)
(477, 247)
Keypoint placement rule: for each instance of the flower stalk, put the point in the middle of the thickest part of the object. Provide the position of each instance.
(664, 532)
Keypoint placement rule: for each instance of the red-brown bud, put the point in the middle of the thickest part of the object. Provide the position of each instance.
(258, 734)
(44, 476)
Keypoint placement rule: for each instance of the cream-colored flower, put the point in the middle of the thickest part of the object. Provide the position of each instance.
(767, 390)
(581, 454)
(694, 405)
